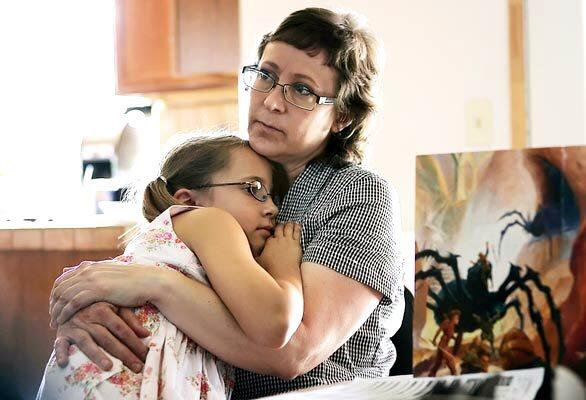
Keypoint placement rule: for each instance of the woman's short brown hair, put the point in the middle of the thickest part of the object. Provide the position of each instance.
(351, 50)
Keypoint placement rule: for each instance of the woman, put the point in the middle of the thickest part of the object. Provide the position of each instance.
(311, 100)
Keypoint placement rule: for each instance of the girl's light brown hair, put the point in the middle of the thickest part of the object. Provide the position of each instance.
(351, 50)
(193, 163)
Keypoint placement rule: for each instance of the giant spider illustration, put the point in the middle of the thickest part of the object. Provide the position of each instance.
(546, 222)
(481, 308)
(557, 213)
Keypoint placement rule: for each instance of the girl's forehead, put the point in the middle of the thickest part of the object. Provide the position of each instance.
(244, 162)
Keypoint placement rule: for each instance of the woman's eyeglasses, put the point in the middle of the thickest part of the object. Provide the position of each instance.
(297, 94)
(255, 188)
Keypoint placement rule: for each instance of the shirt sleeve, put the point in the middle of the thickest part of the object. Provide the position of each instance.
(361, 236)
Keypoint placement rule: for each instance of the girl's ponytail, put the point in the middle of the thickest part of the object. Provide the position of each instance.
(156, 199)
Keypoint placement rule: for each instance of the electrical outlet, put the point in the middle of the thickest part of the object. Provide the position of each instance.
(479, 122)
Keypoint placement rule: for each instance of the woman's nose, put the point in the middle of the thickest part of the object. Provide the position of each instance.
(275, 100)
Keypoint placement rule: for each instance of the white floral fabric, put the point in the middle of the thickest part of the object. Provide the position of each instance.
(175, 367)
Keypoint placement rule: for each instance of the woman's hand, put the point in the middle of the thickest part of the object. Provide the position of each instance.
(109, 281)
(102, 328)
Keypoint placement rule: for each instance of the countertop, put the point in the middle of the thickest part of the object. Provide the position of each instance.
(97, 232)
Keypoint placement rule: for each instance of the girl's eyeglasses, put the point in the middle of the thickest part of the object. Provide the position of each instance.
(255, 188)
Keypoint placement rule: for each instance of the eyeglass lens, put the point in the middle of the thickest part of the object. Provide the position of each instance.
(262, 82)
(258, 190)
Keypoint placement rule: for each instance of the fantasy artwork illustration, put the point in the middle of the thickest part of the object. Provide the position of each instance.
(500, 261)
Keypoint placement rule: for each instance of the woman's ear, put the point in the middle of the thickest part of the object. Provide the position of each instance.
(340, 124)
(185, 196)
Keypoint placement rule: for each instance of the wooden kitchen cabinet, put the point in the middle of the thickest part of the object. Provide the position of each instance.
(30, 261)
(169, 45)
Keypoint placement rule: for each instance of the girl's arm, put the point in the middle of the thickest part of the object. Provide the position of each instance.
(267, 304)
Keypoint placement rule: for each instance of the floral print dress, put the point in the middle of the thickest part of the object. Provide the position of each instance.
(175, 367)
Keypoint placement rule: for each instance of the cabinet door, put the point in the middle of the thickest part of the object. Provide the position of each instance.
(26, 340)
(166, 45)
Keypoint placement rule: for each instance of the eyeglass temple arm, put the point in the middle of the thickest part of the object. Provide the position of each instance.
(222, 184)
(325, 100)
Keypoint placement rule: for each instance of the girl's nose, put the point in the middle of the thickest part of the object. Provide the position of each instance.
(269, 208)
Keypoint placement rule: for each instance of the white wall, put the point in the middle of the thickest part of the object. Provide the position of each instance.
(56, 84)
(555, 66)
(440, 55)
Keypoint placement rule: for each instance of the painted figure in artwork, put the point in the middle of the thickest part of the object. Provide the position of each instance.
(448, 330)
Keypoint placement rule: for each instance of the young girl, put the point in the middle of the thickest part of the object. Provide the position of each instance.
(211, 215)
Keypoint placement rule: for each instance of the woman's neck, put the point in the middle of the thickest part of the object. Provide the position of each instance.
(294, 171)
(294, 168)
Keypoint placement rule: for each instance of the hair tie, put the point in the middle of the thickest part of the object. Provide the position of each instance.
(161, 177)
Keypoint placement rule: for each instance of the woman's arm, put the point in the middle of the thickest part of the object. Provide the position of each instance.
(335, 307)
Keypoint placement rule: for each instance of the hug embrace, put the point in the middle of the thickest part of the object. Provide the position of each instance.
(269, 264)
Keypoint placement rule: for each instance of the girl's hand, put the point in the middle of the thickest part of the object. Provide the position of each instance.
(109, 281)
(283, 248)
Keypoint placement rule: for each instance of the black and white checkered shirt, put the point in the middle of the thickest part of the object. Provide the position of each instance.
(350, 223)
